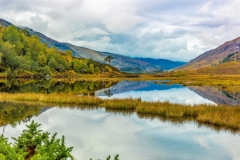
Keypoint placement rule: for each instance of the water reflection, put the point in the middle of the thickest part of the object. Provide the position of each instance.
(217, 95)
(150, 91)
(53, 86)
(96, 133)
(147, 90)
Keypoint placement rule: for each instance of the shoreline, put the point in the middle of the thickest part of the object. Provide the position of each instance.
(222, 115)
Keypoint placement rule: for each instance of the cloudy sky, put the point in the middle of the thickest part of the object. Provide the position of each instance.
(171, 29)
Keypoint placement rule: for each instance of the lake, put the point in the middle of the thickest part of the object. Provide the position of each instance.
(175, 93)
(96, 133)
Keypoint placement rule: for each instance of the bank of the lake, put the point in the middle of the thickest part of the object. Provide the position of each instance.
(221, 115)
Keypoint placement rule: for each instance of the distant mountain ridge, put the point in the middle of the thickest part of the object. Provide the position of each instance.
(225, 52)
(163, 63)
(123, 63)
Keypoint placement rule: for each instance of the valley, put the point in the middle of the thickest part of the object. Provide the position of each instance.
(98, 98)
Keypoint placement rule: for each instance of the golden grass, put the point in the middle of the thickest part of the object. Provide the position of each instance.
(217, 115)
(128, 103)
(52, 98)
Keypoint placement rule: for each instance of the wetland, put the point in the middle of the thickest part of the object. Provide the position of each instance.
(150, 119)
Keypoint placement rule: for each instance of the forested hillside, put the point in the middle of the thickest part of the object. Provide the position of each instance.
(23, 55)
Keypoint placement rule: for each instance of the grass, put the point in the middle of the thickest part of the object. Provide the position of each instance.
(60, 98)
(216, 115)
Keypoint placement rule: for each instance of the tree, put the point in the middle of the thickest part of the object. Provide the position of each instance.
(34, 65)
(8, 54)
(22, 53)
(108, 59)
(97, 70)
(52, 63)
(42, 59)
(109, 69)
(39, 145)
(91, 68)
(46, 71)
(69, 55)
(25, 64)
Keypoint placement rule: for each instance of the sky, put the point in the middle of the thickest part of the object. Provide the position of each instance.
(176, 30)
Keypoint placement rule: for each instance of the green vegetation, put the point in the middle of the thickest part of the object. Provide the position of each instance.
(23, 55)
(54, 86)
(14, 113)
(227, 58)
(35, 144)
(109, 157)
(32, 143)
(216, 115)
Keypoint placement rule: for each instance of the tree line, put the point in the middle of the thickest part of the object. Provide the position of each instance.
(24, 54)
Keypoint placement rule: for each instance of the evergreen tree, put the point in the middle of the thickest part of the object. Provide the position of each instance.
(108, 59)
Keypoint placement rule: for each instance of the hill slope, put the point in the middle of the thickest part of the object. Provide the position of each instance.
(163, 63)
(23, 55)
(228, 51)
(123, 63)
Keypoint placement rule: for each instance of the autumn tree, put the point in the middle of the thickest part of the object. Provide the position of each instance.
(91, 68)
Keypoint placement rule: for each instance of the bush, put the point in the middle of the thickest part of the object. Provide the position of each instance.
(35, 144)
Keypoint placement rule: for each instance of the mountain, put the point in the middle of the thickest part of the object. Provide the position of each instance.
(163, 63)
(217, 95)
(4, 23)
(123, 63)
(227, 52)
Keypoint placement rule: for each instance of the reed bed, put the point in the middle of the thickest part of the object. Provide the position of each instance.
(127, 103)
(216, 115)
(60, 98)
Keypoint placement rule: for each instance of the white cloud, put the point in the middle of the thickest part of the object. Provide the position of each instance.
(176, 95)
(177, 30)
(121, 23)
(206, 8)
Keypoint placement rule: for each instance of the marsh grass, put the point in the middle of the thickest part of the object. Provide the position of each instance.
(127, 103)
(60, 98)
(226, 116)
(124, 112)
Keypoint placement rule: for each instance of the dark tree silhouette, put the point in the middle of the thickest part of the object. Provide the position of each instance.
(108, 59)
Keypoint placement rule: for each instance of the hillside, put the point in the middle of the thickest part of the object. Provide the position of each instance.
(227, 52)
(163, 63)
(123, 63)
(23, 55)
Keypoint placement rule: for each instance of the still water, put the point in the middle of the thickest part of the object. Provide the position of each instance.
(97, 133)
(151, 91)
